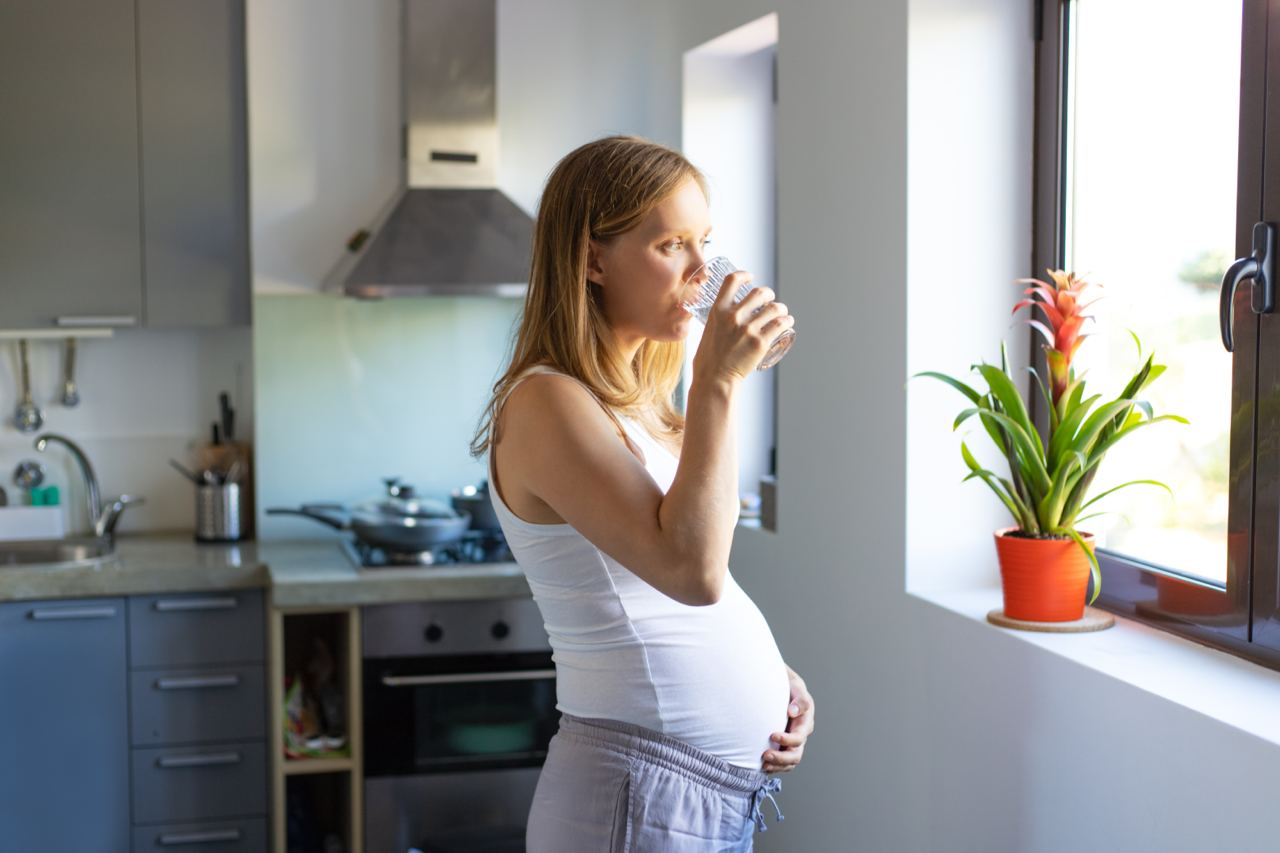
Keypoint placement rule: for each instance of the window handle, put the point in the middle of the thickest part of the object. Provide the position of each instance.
(1261, 267)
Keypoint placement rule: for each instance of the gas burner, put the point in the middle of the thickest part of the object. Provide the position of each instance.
(475, 547)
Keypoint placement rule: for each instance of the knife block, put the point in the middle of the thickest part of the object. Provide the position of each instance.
(219, 458)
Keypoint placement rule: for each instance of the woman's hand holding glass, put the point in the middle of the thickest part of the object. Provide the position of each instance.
(739, 335)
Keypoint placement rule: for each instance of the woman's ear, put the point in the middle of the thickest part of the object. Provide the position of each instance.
(595, 262)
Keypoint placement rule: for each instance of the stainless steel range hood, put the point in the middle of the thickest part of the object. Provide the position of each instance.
(451, 232)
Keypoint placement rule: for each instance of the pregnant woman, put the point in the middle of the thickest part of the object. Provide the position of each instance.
(675, 702)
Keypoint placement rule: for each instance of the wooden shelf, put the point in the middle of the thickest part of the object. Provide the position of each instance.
(340, 780)
(296, 766)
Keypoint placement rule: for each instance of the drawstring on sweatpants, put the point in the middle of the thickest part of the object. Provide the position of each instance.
(768, 789)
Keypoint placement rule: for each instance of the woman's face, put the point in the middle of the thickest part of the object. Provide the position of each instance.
(642, 272)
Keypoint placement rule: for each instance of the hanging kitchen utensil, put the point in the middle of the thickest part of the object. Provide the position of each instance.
(27, 417)
(70, 396)
(186, 472)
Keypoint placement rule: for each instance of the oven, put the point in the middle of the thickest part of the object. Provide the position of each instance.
(459, 706)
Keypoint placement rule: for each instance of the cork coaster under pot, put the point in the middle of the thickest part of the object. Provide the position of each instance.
(1093, 620)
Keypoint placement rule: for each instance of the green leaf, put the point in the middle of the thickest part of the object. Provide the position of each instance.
(1062, 437)
(1048, 400)
(1103, 446)
(1102, 495)
(1033, 470)
(1094, 570)
(991, 480)
(1050, 509)
(1070, 397)
(1005, 391)
(1084, 440)
(1136, 342)
(964, 389)
(1006, 495)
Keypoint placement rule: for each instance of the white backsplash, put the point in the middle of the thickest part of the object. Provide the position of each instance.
(145, 396)
(351, 391)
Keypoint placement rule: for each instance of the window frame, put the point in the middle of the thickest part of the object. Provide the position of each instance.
(1223, 620)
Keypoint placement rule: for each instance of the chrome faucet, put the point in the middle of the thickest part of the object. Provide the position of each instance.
(103, 521)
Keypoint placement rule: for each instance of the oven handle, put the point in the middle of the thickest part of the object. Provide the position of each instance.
(466, 677)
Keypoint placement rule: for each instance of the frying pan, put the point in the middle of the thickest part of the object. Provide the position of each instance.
(375, 524)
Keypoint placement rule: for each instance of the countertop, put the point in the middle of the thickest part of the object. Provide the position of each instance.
(299, 574)
(318, 573)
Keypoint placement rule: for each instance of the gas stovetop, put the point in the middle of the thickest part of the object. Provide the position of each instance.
(476, 547)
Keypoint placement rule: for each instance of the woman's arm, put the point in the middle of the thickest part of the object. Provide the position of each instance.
(562, 449)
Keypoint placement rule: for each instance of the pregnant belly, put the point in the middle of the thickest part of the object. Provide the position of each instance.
(721, 682)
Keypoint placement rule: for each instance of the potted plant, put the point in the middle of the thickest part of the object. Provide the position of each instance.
(1045, 559)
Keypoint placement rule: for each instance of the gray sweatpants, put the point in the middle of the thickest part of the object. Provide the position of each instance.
(614, 787)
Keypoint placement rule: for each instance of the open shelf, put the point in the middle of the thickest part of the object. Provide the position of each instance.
(321, 796)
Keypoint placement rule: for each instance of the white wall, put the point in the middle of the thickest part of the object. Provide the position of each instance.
(935, 733)
(728, 132)
(324, 131)
(969, 223)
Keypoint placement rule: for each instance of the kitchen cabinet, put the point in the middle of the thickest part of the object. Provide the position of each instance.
(70, 234)
(124, 192)
(198, 719)
(163, 696)
(64, 730)
(195, 188)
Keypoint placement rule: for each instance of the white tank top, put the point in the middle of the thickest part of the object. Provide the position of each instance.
(710, 676)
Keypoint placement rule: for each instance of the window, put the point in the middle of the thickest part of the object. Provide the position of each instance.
(729, 83)
(1157, 152)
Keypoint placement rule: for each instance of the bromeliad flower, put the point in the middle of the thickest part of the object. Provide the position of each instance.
(1062, 306)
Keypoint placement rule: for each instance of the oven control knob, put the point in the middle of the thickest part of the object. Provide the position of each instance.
(433, 633)
(500, 629)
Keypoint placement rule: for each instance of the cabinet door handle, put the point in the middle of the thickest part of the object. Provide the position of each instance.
(72, 613)
(197, 682)
(96, 320)
(169, 762)
(173, 839)
(170, 605)
(466, 678)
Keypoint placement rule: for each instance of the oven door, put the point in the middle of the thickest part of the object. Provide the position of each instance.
(449, 713)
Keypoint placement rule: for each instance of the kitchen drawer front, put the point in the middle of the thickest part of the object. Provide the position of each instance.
(199, 783)
(204, 628)
(172, 706)
(246, 835)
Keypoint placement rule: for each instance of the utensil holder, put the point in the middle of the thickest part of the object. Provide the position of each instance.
(218, 513)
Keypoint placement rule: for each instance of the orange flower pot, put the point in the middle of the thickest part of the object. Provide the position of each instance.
(1044, 580)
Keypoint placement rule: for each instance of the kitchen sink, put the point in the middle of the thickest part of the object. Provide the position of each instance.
(72, 550)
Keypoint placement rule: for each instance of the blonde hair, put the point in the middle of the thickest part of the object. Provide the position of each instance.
(598, 191)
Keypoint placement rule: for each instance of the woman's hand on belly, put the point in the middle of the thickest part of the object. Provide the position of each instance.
(790, 744)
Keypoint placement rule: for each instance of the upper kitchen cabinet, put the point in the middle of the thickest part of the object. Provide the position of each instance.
(123, 177)
(70, 235)
(195, 189)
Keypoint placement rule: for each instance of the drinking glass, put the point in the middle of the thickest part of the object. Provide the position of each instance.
(700, 305)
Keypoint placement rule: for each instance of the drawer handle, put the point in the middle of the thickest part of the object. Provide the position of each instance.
(173, 839)
(466, 678)
(96, 320)
(73, 613)
(169, 605)
(197, 682)
(168, 762)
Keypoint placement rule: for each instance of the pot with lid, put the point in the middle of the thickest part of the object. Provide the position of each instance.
(475, 500)
(398, 521)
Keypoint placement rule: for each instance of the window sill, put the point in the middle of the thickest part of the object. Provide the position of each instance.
(1220, 686)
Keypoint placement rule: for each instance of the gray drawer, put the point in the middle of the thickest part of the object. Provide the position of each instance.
(199, 783)
(171, 706)
(201, 628)
(247, 835)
